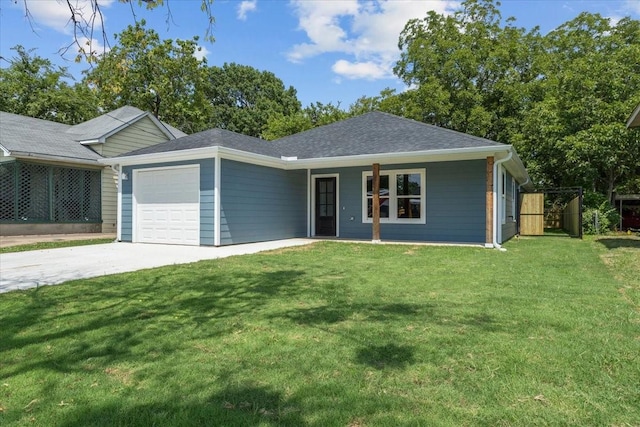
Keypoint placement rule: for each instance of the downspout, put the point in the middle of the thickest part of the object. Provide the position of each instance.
(116, 170)
(496, 169)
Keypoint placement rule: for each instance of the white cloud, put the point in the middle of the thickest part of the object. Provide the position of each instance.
(91, 47)
(365, 32)
(201, 53)
(245, 7)
(368, 70)
(57, 15)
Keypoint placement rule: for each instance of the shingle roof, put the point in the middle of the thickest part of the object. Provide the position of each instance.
(23, 134)
(375, 133)
(212, 138)
(100, 126)
(28, 135)
(370, 133)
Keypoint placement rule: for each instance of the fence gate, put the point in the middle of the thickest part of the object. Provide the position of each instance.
(556, 209)
(532, 214)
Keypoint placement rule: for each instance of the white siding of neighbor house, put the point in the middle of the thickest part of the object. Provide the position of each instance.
(143, 133)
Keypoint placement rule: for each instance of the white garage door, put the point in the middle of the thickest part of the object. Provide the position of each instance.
(168, 205)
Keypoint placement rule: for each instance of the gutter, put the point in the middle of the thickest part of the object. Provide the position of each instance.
(496, 168)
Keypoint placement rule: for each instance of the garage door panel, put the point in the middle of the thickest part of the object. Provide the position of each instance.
(168, 206)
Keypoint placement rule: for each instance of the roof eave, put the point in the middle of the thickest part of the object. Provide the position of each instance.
(196, 154)
(442, 155)
(634, 119)
(102, 139)
(50, 158)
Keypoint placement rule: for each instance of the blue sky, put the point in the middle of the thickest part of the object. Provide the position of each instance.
(329, 50)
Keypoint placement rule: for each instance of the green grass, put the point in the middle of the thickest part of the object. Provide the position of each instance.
(53, 245)
(336, 334)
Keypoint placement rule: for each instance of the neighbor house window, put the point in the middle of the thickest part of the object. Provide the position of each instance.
(402, 196)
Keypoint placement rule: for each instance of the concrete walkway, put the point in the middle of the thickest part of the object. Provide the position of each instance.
(24, 270)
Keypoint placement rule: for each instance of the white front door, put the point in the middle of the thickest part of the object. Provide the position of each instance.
(167, 205)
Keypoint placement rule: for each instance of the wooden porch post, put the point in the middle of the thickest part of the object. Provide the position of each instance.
(489, 203)
(376, 203)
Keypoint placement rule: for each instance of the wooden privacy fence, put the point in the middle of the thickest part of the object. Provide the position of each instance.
(532, 214)
(536, 216)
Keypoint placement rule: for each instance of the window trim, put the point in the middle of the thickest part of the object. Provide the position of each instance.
(393, 197)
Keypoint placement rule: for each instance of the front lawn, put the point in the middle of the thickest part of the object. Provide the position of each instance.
(53, 245)
(336, 334)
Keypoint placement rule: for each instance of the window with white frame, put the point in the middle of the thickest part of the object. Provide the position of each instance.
(402, 196)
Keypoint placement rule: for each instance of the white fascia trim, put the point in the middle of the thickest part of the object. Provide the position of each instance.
(103, 138)
(6, 152)
(516, 169)
(158, 123)
(92, 141)
(61, 159)
(197, 154)
(634, 119)
(398, 158)
(324, 162)
(167, 156)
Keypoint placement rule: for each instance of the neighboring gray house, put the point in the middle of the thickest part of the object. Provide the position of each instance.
(50, 177)
(219, 188)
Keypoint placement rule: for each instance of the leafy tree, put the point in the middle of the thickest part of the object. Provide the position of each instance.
(242, 99)
(161, 76)
(314, 115)
(468, 71)
(33, 86)
(575, 134)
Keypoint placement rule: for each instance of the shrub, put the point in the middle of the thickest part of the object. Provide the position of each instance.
(598, 216)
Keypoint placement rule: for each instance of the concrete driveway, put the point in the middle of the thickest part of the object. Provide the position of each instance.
(23, 270)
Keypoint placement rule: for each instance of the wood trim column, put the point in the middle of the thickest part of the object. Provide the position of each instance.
(489, 202)
(376, 203)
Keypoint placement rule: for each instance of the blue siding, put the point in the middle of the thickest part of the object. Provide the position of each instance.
(127, 204)
(206, 198)
(260, 203)
(455, 198)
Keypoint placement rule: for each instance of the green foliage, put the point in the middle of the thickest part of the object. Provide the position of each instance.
(314, 115)
(561, 99)
(575, 135)
(469, 72)
(161, 76)
(598, 215)
(242, 99)
(33, 86)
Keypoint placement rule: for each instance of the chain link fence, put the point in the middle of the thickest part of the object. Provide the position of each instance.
(31, 192)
